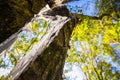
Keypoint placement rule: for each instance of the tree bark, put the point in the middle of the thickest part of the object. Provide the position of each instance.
(47, 63)
(46, 60)
(15, 13)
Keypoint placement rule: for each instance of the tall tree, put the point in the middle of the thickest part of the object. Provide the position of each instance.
(49, 65)
(45, 59)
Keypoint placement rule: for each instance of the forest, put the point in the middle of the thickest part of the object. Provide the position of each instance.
(59, 39)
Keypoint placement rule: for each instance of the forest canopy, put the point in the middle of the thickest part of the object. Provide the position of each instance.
(95, 48)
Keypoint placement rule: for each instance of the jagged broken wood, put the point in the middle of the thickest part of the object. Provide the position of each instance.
(56, 22)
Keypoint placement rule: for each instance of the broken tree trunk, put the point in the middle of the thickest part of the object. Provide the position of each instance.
(45, 61)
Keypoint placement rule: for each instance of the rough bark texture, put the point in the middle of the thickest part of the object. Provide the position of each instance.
(49, 65)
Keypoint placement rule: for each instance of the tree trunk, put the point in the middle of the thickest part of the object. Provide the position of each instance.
(47, 63)
(46, 60)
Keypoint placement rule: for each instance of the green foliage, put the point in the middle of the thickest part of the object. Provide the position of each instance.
(2, 78)
(91, 48)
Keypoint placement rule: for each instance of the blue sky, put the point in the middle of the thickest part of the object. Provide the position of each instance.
(86, 7)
